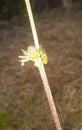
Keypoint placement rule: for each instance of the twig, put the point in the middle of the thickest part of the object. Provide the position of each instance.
(42, 70)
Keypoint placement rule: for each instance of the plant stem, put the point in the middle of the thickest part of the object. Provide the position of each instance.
(42, 70)
(36, 41)
(49, 97)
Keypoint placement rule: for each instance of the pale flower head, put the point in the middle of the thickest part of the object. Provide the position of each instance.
(32, 54)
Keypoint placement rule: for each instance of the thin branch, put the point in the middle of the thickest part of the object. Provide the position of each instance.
(42, 70)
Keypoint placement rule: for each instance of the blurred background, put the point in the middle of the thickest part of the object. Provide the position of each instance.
(11, 9)
(23, 102)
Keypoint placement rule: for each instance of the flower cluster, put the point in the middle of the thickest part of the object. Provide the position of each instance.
(32, 54)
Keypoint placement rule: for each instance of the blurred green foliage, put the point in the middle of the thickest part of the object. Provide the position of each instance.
(11, 8)
(6, 121)
(4, 118)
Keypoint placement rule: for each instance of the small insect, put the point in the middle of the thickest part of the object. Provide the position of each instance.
(33, 54)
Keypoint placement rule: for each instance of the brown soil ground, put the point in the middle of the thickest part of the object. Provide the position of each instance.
(23, 103)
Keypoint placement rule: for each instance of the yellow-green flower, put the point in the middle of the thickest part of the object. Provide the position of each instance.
(32, 54)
